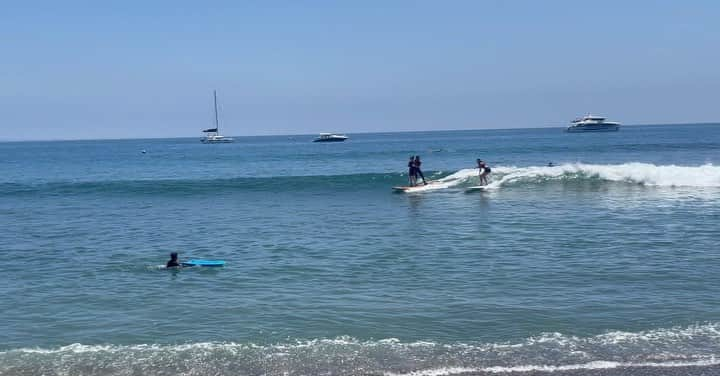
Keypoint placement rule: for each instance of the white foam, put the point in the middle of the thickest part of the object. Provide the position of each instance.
(695, 345)
(706, 175)
(436, 372)
(595, 365)
(708, 332)
(449, 181)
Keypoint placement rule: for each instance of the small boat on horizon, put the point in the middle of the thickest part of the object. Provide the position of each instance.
(212, 135)
(590, 123)
(330, 137)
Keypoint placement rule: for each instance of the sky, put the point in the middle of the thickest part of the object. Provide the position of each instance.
(134, 69)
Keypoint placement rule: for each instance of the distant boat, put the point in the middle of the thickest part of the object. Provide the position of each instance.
(590, 123)
(212, 135)
(330, 137)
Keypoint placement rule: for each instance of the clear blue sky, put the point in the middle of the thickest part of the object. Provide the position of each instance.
(71, 69)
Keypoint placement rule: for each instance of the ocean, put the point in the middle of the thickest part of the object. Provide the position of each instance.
(605, 263)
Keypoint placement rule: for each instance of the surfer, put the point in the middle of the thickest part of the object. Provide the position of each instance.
(412, 174)
(483, 171)
(418, 171)
(173, 262)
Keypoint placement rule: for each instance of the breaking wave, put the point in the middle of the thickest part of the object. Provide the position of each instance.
(635, 173)
(645, 174)
(551, 352)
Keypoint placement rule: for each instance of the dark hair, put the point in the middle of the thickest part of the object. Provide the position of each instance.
(173, 255)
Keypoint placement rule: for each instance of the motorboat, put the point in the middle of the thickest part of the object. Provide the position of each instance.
(212, 135)
(330, 137)
(590, 123)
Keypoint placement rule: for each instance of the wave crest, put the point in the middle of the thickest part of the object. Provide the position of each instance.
(646, 174)
(551, 352)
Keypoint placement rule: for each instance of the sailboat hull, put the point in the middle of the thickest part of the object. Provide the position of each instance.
(217, 140)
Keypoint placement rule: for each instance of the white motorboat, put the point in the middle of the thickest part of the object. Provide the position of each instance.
(330, 137)
(590, 123)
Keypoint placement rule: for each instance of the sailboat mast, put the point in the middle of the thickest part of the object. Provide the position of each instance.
(217, 130)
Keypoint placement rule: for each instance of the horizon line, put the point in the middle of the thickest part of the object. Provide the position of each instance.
(345, 133)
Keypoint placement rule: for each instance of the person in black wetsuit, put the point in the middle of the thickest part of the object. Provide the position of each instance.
(412, 174)
(173, 262)
(484, 171)
(418, 171)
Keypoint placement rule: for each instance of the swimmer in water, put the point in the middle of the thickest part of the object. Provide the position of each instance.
(173, 262)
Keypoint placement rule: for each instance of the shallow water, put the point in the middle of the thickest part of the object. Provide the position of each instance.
(605, 261)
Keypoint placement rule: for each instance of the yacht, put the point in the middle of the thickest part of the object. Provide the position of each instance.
(590, 123)
(212, 135)
(330, 137)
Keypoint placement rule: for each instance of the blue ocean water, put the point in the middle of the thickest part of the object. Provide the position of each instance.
(605, 261)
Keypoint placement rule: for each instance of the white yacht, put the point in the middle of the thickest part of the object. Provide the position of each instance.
(330, 137)
(590, 123)
(212, 135)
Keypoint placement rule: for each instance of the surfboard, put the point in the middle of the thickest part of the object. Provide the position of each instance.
(420, 187)
(198, 262)
(476, 188)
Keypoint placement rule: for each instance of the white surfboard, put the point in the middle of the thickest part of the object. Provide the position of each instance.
(476, 188)
(417, 188)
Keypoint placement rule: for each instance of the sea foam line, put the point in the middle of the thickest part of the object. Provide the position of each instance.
(706, 333)
(594, 365)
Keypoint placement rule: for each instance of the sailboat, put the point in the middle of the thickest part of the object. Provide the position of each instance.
(212, 135)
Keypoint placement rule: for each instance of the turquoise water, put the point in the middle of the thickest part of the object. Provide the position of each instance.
(608, 259)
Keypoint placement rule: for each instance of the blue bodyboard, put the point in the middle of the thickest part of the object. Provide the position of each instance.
(198, 262)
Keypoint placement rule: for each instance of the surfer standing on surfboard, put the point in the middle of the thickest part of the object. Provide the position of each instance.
(418, 171)
(484, 171)
(412, 172)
